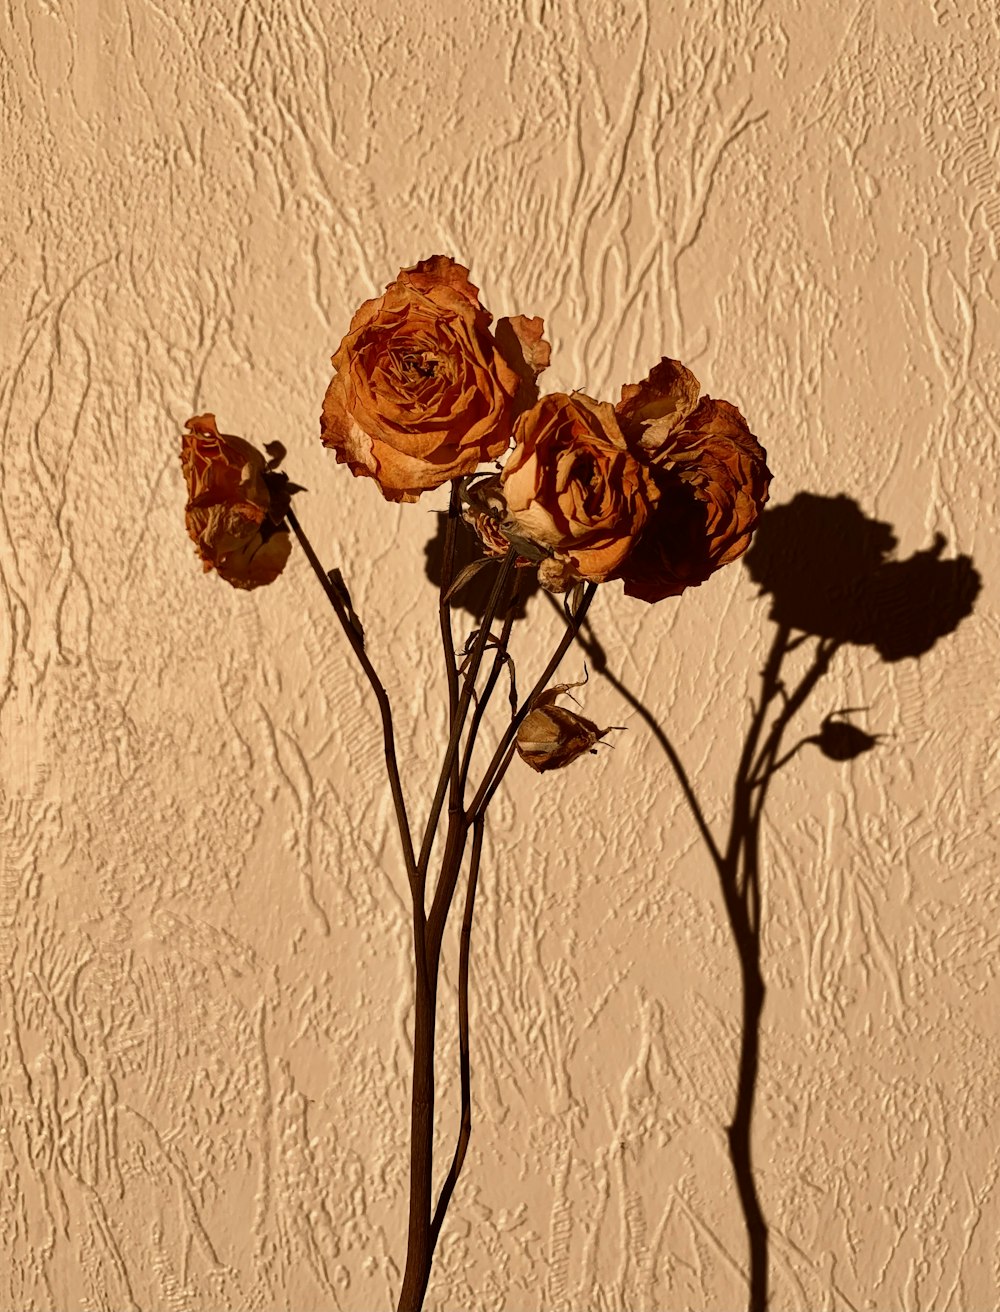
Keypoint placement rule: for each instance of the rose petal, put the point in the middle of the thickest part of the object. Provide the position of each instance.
(441, 271)
(520, 341)
(649, 411)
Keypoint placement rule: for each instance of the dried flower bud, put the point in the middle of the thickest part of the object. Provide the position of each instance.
(488, 531)
(485, 511)
(557, 575)
(551, 736)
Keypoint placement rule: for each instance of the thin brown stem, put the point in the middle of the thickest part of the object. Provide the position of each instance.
(357, 645)
(500, 651)
(427, 950)
(486, 787)
(447, 639)
(497, 779)
(451, 753)
(465, 1123)
(428, 934)
(417, 1270)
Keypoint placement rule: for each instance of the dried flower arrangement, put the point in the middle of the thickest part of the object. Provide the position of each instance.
(659, 491)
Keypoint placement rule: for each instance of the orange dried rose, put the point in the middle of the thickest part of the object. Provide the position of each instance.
(423, 392)
(712, 477)
(230, 513)
(574, 487)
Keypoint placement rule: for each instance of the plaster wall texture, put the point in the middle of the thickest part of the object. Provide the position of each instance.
(204, 930)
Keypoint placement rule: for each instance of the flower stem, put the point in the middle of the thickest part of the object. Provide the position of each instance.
(451, 753)
(427, 943)
(427, 949)
(447, 639)
(499, 653)
(421, 1245)
(503, 754)
(418, 1241)
(358, 647)
(465, 1124)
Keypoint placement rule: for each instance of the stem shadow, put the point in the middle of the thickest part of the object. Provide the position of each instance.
(832, 580)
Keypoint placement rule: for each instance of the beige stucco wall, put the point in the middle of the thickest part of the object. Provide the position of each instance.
(204, 956)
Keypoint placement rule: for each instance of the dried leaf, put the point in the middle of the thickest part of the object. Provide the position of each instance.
(466, 573)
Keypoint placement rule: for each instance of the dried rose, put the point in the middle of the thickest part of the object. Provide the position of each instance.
(423, 392)
(712, 478)
(573, 487)
(230, 513)
(552, 736)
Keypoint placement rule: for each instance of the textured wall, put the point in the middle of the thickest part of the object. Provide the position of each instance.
(204, 1038)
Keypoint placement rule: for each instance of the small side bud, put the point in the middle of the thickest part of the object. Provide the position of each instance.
(551, 736)
(840, 740)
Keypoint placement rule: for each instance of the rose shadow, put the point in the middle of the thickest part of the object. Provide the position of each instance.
(829, 573)
(832, 580)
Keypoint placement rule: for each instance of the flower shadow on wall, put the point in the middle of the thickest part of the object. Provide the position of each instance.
(473, 596)
(833, 582)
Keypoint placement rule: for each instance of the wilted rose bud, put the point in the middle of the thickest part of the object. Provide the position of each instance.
(557, 575)
(231, 514)
(551, 736)
(488, 531)
(485, 511)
